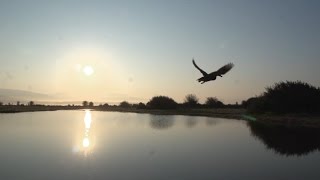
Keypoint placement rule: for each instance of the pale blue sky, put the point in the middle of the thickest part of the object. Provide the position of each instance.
(139, 49)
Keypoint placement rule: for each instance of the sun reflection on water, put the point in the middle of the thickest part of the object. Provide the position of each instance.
(87, 119)
(85, 142)
(86, 146)
(86, 139)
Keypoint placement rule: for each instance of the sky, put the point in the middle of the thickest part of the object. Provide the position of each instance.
(135, 50)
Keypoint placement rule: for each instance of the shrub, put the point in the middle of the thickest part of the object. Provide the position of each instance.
(31, 103)
(213, 102)
(85, 103)
(255, 104)
(124, 104)
(286, 97)
(105, 105)
(91, 104)
(141, 106)
(162, 102)
(191, 100)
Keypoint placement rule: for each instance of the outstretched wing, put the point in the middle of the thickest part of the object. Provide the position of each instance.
(224, 69)
(202, 71)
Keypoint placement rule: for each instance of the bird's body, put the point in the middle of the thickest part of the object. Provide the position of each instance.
(212, 76)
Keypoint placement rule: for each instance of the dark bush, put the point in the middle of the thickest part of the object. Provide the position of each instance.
(162, 102)
(31, 103)
(85, 103)
(287, 97)
(213, 102)
(191, 100)
(141, 106)
(91, 104)
(105, 105)
(255, 104)
(124, 104)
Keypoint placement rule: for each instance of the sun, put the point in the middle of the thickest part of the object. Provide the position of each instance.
(88, 70)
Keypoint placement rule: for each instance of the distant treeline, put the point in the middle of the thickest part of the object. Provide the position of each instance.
(165, 102)
(18, 103)
(282, 97)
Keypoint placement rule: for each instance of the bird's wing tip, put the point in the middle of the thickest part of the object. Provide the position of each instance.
(231, 64)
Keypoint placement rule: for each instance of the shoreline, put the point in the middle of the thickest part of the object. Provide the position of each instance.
(287, 120)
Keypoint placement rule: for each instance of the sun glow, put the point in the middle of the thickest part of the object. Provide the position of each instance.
(87, 145)
(85, 142)
(87, 123)
(87, 119)
(88, 70)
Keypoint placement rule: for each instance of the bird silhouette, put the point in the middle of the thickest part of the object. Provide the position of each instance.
(212, 76)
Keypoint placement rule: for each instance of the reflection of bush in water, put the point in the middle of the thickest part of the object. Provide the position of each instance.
(191, 122)
(161, 121)
(211, 121)
(287, 141)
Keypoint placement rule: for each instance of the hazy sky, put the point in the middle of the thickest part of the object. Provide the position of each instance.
(139, 49)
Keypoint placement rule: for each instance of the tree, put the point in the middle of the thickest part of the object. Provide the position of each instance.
(91, 104)
(162, 102)
(105, 105)
(31, 103)
(1, 103)
(191, 100)
(124, 104)
(213, 102)
(85, 103)
(141, 106)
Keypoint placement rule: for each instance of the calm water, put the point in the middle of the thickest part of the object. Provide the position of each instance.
(108, 145)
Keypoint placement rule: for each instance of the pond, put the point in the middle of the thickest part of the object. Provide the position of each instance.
(87, 144)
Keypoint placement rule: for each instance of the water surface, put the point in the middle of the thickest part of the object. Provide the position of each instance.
(110, 145)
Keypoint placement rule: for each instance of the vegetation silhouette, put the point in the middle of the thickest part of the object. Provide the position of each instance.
(213, 102)
(290, 103)
(162, 102)
(212, 76)
(141, 106)
(105, 105)
(91, 104)
(125, 104)
(161, 122)
(85, 103)
(287, 141)
(286, 97)
(31, 103)
(191, 101)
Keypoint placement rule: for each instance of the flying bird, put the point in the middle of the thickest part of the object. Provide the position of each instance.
(212, 76)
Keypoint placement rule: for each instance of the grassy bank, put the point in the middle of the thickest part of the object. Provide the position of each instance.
(290, 120)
